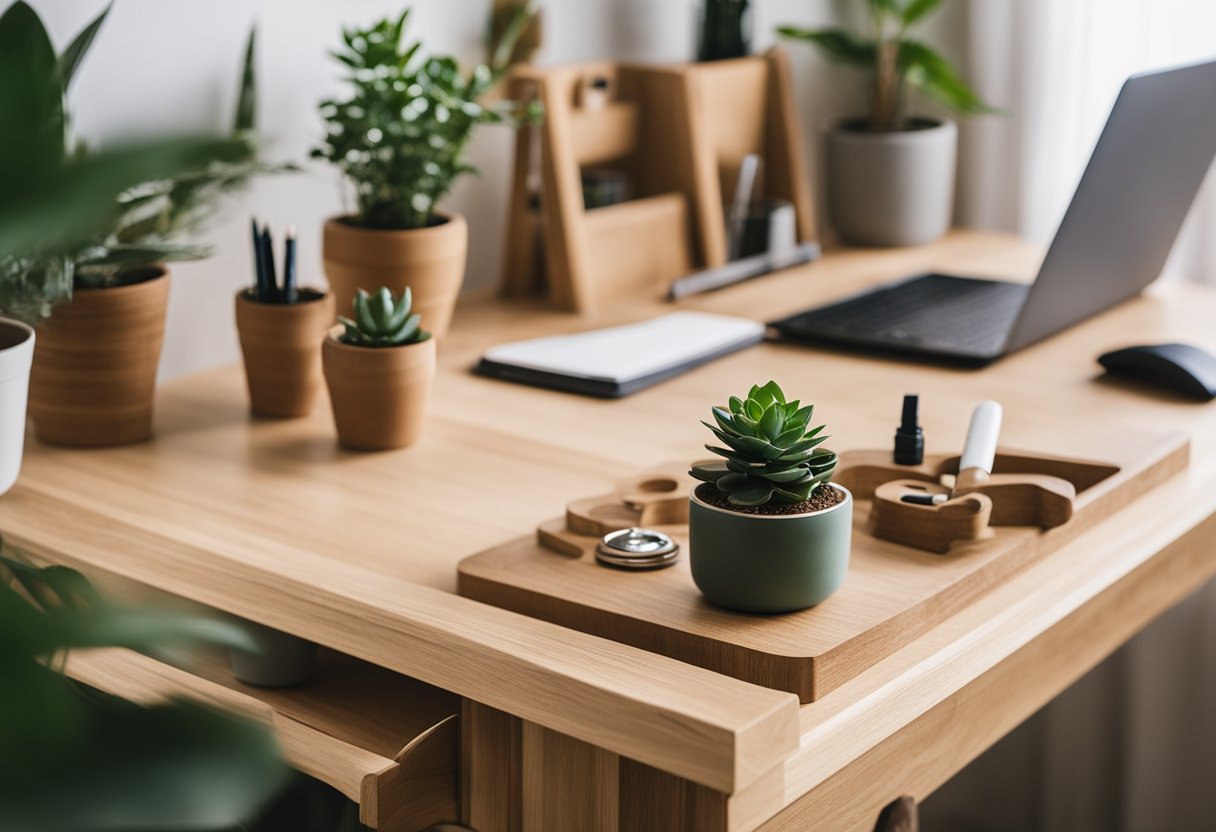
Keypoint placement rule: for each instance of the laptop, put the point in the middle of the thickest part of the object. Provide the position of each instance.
(1146, 168)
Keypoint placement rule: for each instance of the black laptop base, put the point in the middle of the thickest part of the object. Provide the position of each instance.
(959, 320)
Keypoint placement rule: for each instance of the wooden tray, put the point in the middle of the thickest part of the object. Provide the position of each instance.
(892, 594)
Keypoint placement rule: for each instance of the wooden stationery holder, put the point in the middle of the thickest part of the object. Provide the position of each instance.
(652, 500)
(680, 134)
(1023, 490)
(892, 593)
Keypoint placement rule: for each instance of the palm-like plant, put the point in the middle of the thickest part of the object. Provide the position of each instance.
(895, 59)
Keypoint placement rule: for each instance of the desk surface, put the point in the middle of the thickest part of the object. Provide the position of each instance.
(272, 521)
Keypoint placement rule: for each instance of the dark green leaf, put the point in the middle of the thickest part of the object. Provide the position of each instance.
(772, 422)
(723, 419)
(784, 475)
(736, 404)
(246, 102)
(70, 60)
(916, 9)
(709, 472)
(753, 409)
(732, 482)
(755, 494)
(838, 45)
(788, 438)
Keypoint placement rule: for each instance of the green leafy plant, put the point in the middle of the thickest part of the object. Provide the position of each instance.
(401, 136)
(771, 454)
(382, 321)
(513, 34)
(71, 214)
(78, 759)
(895, 59)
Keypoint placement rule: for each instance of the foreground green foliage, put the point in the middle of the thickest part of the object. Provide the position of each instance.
(400, 138)
(383, 321)
(74, 215)
(895, 60)
(81, 760)
(771, 454)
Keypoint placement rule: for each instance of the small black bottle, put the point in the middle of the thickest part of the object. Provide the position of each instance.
(909, 438)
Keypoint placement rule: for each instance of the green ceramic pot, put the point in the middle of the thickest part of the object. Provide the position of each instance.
(769, 563)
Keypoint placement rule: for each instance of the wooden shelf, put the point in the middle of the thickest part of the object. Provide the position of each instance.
(384, 740)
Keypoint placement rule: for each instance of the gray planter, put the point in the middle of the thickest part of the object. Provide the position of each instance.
(891, 189)
(769, 563)
(280, 660)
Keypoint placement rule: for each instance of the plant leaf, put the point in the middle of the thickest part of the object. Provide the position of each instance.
(70, 60)
(709, 471)
(246, 101)
(753, 409)
(735, 404)
(916, 9)
(732, 482)
(755, 494)
(774, 390)
(838, 45)
(925, 69)
(772, 422)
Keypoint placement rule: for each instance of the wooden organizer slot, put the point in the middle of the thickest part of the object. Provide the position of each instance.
(386, 741)
(892, 595)
(680, 133)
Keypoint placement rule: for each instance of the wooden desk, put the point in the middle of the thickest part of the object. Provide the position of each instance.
(271, 521)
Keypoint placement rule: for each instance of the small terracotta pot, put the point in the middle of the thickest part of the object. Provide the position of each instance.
(94, 373)
(281, 344)
(379, 394)
(428, 260)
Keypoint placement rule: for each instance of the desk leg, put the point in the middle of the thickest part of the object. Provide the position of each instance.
(517, 775)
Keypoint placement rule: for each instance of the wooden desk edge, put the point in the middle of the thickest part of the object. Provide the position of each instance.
(705, 727)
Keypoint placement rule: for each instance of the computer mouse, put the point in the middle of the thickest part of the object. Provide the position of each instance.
(1179, 367)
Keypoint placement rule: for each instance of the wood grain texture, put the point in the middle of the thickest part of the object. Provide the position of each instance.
(275, 522)
(893, 593)
(337, 730)
(491, 776)
(567, 784)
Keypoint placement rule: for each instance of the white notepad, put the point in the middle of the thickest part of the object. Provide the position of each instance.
(622, 359)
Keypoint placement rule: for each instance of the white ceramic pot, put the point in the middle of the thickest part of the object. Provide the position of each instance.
(891, 189)
(16, 354)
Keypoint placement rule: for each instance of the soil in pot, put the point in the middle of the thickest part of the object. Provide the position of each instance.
(821, 499)
(281, 345)
(429, 260)
(94, 373)
(16, 355)
(379, 394)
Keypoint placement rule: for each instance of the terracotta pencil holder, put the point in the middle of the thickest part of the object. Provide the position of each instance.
(281, 344)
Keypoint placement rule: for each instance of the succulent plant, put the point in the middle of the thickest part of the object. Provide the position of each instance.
(770, 455)
(383, 321)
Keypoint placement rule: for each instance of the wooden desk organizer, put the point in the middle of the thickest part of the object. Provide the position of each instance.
(893, 592)
(1023, 490)
(680, 133)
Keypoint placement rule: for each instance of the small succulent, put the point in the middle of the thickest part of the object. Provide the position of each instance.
(770, 454)
(383, 321)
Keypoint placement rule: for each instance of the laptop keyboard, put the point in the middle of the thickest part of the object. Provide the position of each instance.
(934, 312)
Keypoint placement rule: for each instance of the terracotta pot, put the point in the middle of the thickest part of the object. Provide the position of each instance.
(428, 260)
(379, 394)
(94, 373)
(281, 344)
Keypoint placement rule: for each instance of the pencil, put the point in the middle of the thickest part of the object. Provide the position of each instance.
(290, 294)
(259, 263)
(272, 283)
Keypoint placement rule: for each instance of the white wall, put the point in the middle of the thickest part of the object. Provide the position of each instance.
(172, 66)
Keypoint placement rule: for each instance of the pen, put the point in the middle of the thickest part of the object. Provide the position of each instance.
(272, 283)
(259, 262)
(289, 266)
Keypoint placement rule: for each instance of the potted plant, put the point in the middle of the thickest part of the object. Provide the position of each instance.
(725, 30)
(378, 368)
(768, 529)
(400, 140)
(280, 330)
(94, 368)
(16, 354)
(890, 176)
